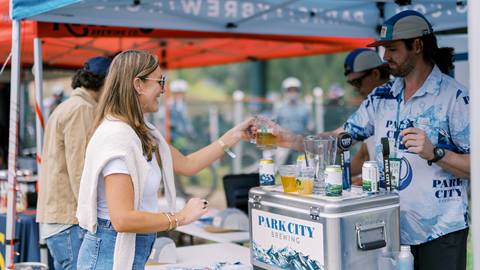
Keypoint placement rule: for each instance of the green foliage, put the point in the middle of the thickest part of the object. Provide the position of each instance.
(319, 70)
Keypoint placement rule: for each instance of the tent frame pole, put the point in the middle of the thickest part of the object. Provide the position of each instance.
(12, 146)
(474, 59)
(39, 124)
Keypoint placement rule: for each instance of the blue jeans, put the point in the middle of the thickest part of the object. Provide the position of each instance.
(64, 247)
(98, 248)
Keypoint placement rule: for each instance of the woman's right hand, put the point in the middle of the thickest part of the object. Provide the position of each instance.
(193, 210)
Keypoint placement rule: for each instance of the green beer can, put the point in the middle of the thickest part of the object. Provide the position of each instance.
(333, 181)
(370, 176)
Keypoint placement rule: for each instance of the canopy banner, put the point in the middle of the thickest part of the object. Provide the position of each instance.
(77, 30)
(442, 15)
(61, 30)
(350, 18)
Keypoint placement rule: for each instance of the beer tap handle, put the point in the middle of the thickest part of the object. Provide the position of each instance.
(386, 163)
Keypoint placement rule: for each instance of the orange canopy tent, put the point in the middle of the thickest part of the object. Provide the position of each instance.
(68, 45)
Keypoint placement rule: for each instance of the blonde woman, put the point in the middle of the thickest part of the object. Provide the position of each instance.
(125, 162)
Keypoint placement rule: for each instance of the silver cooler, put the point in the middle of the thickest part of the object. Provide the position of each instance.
(289, 231)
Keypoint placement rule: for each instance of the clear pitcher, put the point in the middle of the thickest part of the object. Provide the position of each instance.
(321, 151)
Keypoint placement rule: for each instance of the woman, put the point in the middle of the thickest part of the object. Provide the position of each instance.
(125, 162)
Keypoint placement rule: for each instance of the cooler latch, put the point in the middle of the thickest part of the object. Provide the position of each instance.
(257, 201)
(314, 213)
(371, 236)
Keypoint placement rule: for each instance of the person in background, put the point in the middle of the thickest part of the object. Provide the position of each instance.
(127, 160)
(179, 121)
(292, 114)
(62, 163)
(425, 114)
(364, 71)
(52, 102)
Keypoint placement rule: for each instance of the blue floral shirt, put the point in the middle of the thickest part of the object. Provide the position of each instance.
(433, 202)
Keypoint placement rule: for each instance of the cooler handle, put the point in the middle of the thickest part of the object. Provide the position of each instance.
(371, 236)
(373, 245)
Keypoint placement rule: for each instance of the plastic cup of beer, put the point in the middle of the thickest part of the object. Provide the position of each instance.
(288, 175)
(265, 138)
(305, 180)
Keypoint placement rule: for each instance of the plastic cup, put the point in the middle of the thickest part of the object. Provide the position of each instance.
(288, 175)
(265, 138)
(305, 180)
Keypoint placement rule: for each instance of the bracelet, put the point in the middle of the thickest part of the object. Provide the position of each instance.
(176, 219)
(169, 222)
(226, 148)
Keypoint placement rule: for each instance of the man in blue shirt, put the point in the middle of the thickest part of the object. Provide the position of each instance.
(425, 115)
(293, 115)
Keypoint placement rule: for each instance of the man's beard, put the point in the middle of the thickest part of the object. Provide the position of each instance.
(402, 70)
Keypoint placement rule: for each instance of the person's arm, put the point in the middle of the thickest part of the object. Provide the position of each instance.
(417, 141)
(360, 125)
(458, 162)
(195, 162)
(357, 161)
(75, 132)
(288, 139)
(119, 194)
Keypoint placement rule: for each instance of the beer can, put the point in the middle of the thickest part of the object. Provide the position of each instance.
(333, 181)
(301, 162)
(395, 164)
(267, 172)
(370, 176)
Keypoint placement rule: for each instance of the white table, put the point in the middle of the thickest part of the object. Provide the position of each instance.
(208, 255)
(195, 229)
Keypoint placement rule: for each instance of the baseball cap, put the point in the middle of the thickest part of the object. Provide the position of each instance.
(291, 82)
(404, 25)
(178, 86)
(361, 60)
(98, 65)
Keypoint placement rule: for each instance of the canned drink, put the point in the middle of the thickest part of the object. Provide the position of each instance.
(301, 162)
(333, 180)
(267, 172)
(395, 164)
(370, 176)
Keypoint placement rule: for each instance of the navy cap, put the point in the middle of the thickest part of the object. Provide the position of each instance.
(362, 60)
(98, 65)
(404, 25)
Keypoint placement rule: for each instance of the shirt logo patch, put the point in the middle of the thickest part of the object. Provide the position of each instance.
(383, 32)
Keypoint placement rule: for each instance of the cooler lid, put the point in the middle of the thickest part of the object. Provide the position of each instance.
(348, 202)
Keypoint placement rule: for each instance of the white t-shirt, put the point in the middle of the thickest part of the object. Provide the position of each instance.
(150, 191)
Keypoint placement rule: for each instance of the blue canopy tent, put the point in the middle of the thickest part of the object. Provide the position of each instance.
(350, 18)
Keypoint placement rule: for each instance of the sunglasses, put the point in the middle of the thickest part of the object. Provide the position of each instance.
(358, 81)
(161, 81)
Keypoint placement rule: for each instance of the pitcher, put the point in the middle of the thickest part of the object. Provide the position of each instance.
(321, 151)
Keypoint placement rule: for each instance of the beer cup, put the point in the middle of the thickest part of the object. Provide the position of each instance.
(265, 138)
(288, 175)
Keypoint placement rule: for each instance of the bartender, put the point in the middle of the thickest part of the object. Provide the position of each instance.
(426, 115)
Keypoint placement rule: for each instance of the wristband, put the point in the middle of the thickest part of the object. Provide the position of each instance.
(226, 148)
(176, 219)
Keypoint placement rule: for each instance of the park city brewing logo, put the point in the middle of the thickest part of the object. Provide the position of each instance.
(286, 230)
